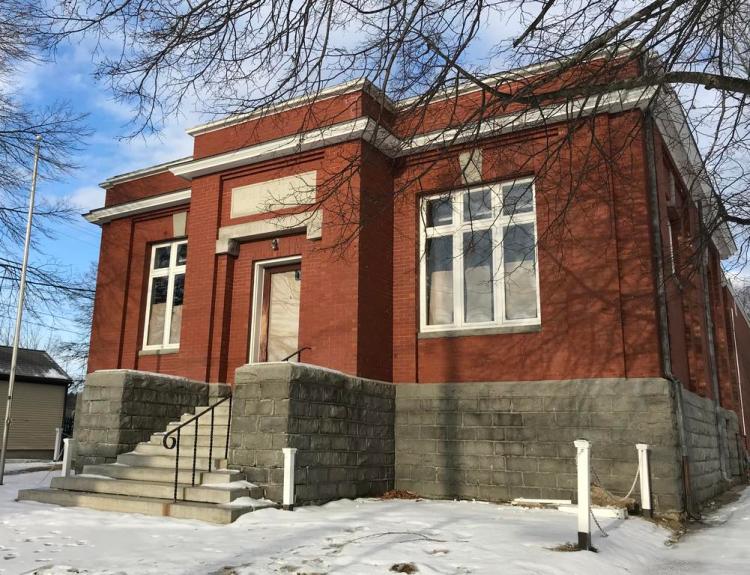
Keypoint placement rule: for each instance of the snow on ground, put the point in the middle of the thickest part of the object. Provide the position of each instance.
(361, 537)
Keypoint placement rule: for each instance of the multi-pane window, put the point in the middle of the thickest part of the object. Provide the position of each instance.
(166, 288)
(479, 264)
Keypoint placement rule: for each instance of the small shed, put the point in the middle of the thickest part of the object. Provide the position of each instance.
(38, 402)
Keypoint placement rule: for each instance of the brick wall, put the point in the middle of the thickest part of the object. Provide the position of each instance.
(341, 425)
(595, 276)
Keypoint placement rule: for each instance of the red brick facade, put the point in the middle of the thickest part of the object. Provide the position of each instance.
(360, 302)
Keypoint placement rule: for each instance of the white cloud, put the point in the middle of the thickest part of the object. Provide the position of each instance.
(87, 198)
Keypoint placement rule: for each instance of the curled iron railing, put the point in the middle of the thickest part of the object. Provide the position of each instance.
(171, 440)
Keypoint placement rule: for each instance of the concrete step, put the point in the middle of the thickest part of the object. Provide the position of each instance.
(162, 474)
(203, 429)
(205, 419)
(168, 461)
(210, 512)
(222, 409)
(186, 450)
(203, 440)
(153, 490)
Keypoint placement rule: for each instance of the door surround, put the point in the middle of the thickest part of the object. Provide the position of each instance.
(259, 277)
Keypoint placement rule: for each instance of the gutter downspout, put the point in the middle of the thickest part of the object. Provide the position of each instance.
(661, 293)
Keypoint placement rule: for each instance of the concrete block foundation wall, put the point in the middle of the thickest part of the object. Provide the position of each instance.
(120, 408)
(704, 442)
(342, 426)
(499, 441)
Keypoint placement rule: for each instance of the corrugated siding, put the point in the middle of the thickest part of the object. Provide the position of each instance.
(37, 411)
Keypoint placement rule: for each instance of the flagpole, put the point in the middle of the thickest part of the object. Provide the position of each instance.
(19, 311)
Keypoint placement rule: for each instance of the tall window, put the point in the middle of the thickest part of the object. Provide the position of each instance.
(166, 288)
(479, 264)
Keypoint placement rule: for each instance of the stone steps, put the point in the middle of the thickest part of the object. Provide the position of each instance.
(142, 481)
(203, 429)
(186, 450)
(162, 474)
(189, 440)
(219, 418)
(210, 512)
(185, 492)
(168, 461)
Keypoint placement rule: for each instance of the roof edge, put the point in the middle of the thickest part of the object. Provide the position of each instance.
(143, 172)
(337, 90)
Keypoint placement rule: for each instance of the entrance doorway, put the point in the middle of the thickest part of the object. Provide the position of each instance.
(275, 334)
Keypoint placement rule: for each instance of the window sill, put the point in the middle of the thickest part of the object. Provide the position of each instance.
(164, 351)
(494, 330)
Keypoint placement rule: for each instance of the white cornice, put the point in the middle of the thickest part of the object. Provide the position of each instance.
(678, 137)
(514, 74)
(325, 94)
(142, 173)
(363, 128)
(611, 102)
(367, 129)
(104, 215)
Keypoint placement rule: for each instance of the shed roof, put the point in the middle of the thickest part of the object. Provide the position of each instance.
(33, 364)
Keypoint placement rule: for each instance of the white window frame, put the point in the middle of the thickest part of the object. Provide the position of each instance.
(170, 272)
(497, 222)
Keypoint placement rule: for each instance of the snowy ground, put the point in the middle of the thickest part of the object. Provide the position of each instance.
(360, 537)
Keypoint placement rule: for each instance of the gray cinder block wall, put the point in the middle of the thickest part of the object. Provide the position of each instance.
(342, 426)
(499, 441)
(707, 478)
(120, 408)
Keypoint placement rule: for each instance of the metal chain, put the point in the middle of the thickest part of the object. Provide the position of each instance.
(603, 532)
(598, 482)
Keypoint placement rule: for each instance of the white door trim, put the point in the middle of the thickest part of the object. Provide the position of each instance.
(259, 273)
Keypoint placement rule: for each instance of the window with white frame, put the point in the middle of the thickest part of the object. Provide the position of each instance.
(479, 258)
(166, 288)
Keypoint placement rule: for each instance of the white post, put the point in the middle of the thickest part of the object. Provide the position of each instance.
(645, 478)
(58, 444)
(289, 456)
(69, 453)
(583, 448)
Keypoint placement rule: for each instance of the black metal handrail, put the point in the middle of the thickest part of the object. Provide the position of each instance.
(298, 353)
(171, 442)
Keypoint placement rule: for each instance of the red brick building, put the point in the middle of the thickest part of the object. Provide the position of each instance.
(424, 247)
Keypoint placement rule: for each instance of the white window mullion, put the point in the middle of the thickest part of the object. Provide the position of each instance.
(458, 261)
(170, 296)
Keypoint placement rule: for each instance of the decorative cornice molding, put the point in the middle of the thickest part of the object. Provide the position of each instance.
(142, 173)
(310, 140)
(346, 88)
(678, 137)
(104, 215)
(367, 129)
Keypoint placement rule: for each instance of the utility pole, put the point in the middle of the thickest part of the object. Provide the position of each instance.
(19, 311)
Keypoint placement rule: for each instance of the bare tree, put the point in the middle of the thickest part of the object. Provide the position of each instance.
(237, 55)
(73, 348)
(62, 130)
